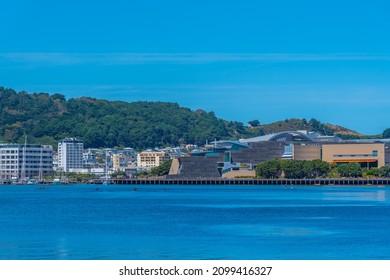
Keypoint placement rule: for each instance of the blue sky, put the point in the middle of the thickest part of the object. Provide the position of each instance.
(244, 60)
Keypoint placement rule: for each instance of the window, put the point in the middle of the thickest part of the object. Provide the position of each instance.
(375, 153)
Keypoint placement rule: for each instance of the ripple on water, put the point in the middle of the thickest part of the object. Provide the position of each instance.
(268, 230)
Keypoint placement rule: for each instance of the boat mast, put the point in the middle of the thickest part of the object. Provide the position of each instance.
(24, 159)
(41, 165)
(106, 167)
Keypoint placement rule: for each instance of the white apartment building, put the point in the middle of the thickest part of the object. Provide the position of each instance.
(70, 154)
(152, 159)
(25, 161)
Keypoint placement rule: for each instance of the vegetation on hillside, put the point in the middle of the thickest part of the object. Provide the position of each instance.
(311, 125)
(45, 119)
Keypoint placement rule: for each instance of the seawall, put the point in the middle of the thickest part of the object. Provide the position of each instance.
(361, 182)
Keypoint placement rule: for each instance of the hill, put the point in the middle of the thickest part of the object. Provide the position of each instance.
(311, 125)
(45, 119)
(100, 123)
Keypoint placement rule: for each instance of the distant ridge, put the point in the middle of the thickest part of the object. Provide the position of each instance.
(45, 119)
(311, 125)
(343, 131)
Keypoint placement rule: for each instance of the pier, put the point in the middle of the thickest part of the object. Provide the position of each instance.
(283, 182)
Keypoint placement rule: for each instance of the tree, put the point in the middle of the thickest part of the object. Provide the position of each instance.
(384, 171)
(386, 133)
(372, 172)
(321, 168)
(351, 169)
(162, 169)
(298, 169)
(269, 169)
(254, 123)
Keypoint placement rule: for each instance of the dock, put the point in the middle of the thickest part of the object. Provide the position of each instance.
(285, 182)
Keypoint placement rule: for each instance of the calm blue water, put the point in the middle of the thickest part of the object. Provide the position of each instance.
(194, 222)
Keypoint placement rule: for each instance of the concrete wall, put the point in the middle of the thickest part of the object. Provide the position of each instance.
(197, 167)
(174, 167)
(259, 152)
(239, 173)
(304, 152)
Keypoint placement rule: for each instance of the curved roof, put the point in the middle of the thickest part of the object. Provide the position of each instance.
(283, 136)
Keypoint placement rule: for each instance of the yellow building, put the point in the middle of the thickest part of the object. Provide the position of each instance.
(116, 161)
(367, 154)
(152, 159)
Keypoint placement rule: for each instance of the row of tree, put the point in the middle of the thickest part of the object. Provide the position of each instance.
(301, 169)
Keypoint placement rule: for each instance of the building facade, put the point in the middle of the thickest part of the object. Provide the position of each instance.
(152, 159)
(70, 154)
(366, 154)
(20, 162)
(306, 152)
(232, 158)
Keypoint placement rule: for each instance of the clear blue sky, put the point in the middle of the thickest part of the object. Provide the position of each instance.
(244, 60)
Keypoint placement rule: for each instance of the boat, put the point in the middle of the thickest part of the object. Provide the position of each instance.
(32, 182)
(56, 181)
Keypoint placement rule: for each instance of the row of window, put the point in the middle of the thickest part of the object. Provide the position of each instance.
(374, 154)
(37, 167)
(26, 157)
(28, 151)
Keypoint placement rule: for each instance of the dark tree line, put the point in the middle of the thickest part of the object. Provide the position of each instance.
(301, 169)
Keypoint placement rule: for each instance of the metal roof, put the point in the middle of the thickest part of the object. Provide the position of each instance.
(270, 137)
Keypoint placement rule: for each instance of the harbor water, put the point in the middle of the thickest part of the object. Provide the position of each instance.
(173, 222)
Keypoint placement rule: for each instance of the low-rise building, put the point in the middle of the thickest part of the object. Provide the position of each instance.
(239, 158)
(152, 158)
(367, 154)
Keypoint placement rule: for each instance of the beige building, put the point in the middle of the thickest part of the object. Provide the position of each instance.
(152, 159)
(306, 152)
(367, 154)
(116, 161)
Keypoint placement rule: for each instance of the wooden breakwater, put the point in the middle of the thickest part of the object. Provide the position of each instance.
(285, 182)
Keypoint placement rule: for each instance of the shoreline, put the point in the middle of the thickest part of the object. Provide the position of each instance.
(241, 181)
(281, 182)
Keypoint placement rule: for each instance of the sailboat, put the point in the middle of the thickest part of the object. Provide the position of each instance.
(106, 178)
(39, 181)
(23, 180)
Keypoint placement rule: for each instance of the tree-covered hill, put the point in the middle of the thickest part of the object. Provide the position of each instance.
(48, 118)
(309, 125)
(45, 119)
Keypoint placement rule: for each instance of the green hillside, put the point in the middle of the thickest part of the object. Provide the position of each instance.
(311, 125)
(45, 119)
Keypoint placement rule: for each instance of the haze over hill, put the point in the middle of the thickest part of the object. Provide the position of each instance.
(45, 119)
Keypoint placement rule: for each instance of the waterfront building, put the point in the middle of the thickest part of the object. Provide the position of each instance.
(309, 151)
(19, 162)
(152, 158)
(239, 158)
(70, 154)
(366, 154)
